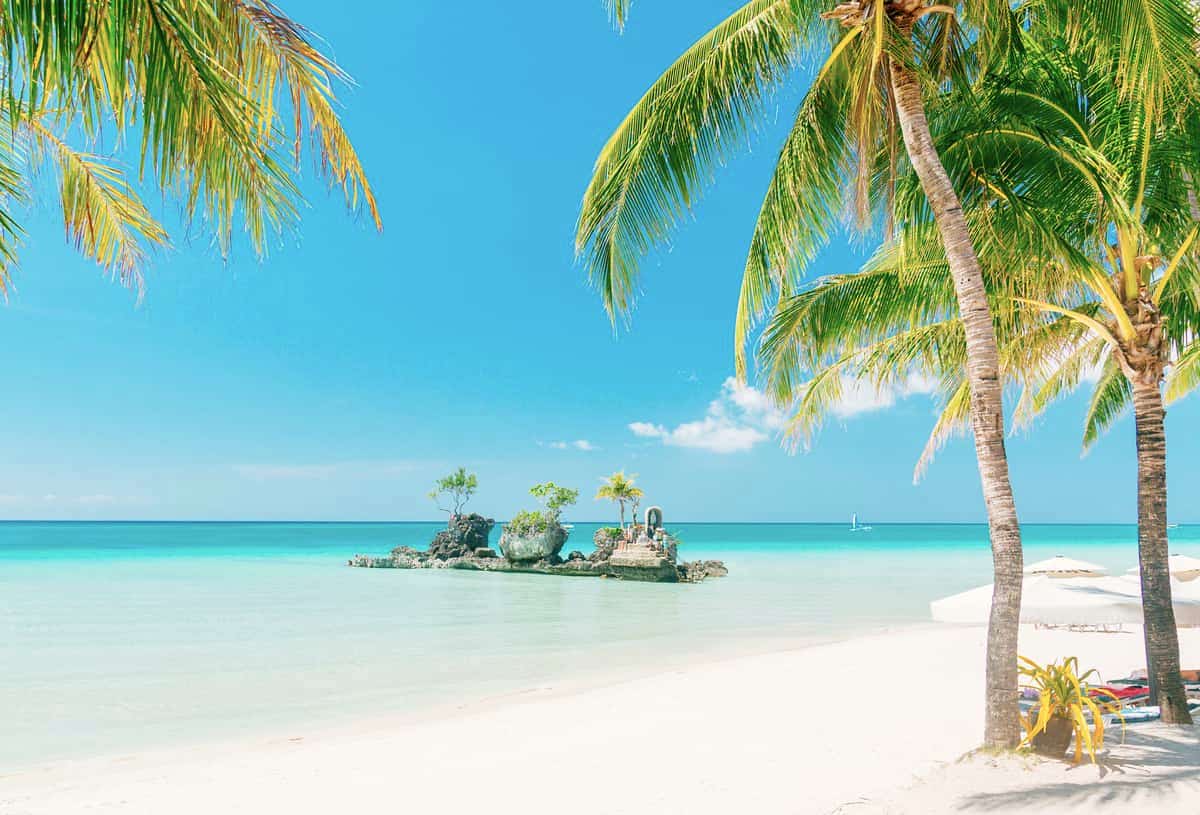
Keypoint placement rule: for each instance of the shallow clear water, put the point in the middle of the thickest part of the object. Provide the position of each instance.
(120, 636)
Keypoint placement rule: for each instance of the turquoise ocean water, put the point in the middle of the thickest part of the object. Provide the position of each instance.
(123, 636)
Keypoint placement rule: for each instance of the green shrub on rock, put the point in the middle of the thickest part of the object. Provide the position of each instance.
(533, 535)
(527, 523)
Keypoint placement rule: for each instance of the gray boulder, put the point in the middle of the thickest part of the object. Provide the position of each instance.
(531, 548)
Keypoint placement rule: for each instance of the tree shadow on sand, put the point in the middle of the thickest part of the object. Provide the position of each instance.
(1154, 765)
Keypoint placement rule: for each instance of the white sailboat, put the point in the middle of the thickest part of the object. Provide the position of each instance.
(854, 526)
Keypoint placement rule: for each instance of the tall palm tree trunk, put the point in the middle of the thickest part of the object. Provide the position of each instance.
(1162, 638)
(1002, 728)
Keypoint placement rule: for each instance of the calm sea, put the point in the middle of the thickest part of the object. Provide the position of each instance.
(121, 636)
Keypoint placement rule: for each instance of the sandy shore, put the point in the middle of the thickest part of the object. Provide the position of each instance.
(874, 724)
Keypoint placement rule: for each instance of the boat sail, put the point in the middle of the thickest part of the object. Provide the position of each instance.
(854, 525)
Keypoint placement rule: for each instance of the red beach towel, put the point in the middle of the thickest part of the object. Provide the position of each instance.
(1123, 692)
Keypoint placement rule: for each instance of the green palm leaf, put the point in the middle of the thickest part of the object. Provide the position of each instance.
(1110, 398)
(654, 165)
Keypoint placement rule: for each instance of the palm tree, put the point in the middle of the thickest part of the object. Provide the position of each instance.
(1086, 193)
(620, 489)
(867, 98)
(216, 98)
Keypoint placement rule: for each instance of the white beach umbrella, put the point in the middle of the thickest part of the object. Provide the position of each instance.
(1061, 566)
(971, 606)
(1181, 567)
(1071, 601)
(1082, 601)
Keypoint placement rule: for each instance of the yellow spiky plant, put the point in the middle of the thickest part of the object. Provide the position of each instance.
(1063, 692)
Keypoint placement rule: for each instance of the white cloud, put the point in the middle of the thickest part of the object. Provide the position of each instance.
(742, 416)
(739, 418)
(862, 397)
(579, 444)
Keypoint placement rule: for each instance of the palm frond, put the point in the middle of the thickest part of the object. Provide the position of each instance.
(102, 213)
(887, 363)
(954, 419)
(618, 12)
(1058, 374)
(806, 187)
(654, 165)
(1111, 396)
(203, 90)
(1184, 375)
(283, 55)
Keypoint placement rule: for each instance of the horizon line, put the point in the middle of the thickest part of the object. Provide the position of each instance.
(502, 521)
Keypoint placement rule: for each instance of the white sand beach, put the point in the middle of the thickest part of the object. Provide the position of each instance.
(873, 724)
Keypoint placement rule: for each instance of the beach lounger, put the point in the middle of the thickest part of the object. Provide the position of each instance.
(1122, 692)
(1148, 713)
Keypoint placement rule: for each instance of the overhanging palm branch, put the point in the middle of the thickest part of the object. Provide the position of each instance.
(214, 99)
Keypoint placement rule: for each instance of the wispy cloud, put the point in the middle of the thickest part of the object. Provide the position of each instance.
(579, 444)
(324, 470)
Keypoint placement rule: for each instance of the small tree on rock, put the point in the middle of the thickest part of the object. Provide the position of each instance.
(554, 498)
(456, 490)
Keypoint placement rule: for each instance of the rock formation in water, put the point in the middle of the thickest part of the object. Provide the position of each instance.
(634, 560)
(463, 535)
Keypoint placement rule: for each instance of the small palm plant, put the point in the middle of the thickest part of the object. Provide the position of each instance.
(620, 489)
(1064, 704)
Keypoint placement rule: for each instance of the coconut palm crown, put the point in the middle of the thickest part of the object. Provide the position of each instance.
(620, 489)
(1083, 206)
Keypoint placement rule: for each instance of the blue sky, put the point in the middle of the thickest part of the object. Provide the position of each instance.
(339, 377)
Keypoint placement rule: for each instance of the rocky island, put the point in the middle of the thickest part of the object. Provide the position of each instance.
(532, 542)
(630, 562)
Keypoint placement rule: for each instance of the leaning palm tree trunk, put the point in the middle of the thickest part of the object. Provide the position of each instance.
(1002, 728)
(1162, 639)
